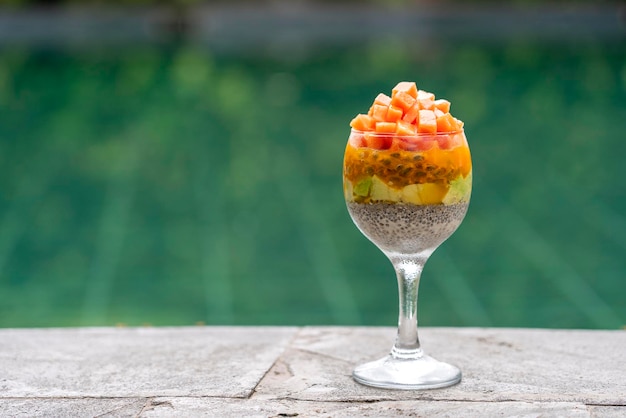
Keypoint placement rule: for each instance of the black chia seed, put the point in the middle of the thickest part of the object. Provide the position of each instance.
(407, 228)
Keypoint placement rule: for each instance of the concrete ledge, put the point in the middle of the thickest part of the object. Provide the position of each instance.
(290, 371)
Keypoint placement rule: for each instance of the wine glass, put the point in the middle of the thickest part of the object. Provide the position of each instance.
(407, 195)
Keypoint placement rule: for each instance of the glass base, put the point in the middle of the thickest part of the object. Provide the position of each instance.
(395, 373)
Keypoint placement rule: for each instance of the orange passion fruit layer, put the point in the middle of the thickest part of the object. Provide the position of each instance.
(399, 167)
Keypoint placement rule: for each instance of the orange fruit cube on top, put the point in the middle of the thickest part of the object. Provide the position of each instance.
(403, 100)
(421, 95)
(393, 114)
(382, 99)
(363, 123)
(408, 87)
(443, 105)
(407, 112)
(379, 112)
(389, 127)
(428, 122)
(411, 115)
(426, 104)
(405, 128)
(446, 123)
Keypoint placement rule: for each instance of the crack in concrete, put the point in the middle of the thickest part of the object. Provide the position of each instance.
(322, 355)
(151, 404)
(114, 410)
(277, 361)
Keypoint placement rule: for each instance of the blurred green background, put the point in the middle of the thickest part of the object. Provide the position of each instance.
(173, 166)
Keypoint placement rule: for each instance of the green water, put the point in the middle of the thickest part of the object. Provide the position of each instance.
(174, 184)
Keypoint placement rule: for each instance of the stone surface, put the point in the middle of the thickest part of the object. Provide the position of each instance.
(282, 372)
(83, 407)
(603, 411)
(497, 364)
(237, 407)
(137, 362)
(187, 407)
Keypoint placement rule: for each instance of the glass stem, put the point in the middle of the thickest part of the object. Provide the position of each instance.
(408, 270)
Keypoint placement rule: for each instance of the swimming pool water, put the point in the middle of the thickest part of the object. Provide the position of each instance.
(173, 184)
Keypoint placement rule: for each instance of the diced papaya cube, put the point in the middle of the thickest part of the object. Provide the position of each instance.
(443, 105)
(393, 114)
(379, 112)
(457, 140)
(375, 141)
(389, 127)
(405, 128)
(356, 140)
(455, 124)
(428, 122)
(403, 143)
(444, 142)
(411, 115)
(426, 104)
(422, 95)
(403, 100)
(446, 123)
(452, 141)
(362, 123)
(407, 87)
(425, 143)
(438, 113)
(382, 99)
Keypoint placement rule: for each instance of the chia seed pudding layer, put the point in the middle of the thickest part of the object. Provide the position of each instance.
(407, 228)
